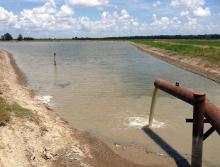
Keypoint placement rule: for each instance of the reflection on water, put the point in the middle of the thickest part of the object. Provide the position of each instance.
(106, 88)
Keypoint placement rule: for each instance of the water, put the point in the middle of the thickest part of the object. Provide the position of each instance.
(106, 89)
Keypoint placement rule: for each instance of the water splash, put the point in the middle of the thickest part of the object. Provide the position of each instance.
(140, 122)
(45, 99)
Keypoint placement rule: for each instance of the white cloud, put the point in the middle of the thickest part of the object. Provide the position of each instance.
(165, 22)
(202, 11)
(88, 3)
(184, 13)
(47, 17)
(7, 19)
(187, 3)
(195, 6)
(51, 18)
(156, 4)
(65, 11)
(43, 16)
(59, 20)
(6, 15)
(192, 21)
(174, 3)
(37, 1)
(115, 23)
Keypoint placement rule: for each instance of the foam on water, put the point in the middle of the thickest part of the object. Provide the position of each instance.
(158, 124)
(44, 99)
(139, 122)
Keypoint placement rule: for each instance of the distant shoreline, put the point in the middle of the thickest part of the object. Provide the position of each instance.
(66, 41)
(194, 65)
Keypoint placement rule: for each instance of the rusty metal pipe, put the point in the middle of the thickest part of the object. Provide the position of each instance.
(212, 113)
(198, 126)
(177, 91)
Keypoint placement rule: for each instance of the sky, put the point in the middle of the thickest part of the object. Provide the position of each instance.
(105, 18)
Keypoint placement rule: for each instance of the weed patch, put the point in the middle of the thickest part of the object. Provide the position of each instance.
(4, 111)
(21, 111)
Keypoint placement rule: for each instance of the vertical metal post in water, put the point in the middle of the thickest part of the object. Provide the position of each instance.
(198, 125)
(54, 59)
(151, 117)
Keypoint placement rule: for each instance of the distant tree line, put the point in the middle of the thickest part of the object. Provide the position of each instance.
(206, 36)
(28, 38)
(9, 37)
(6, 37)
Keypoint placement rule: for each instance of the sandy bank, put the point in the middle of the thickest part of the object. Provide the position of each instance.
(192, 64)
(47, 140)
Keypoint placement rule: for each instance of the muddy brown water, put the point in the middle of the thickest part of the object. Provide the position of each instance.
(106, 89)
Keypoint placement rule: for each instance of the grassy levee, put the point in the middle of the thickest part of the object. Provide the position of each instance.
(193, 48)
(211, 43)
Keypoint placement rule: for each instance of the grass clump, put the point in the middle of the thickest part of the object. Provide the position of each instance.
(7, 109)
(21, 111)
(4, 111)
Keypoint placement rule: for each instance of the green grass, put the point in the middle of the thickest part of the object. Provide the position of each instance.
(7, 109)
(21, 111)
(193, 48)
(4, 111)
(211, 43)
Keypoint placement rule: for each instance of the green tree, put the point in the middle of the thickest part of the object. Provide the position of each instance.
(7, 37)
(20, 37)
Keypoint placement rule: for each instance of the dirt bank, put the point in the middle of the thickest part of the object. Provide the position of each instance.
(47, 140)
(192, 64)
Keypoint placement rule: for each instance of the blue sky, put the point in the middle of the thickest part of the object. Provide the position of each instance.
(101, 18)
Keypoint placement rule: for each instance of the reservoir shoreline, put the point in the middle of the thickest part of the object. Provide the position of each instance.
(192, 64)
(48, 140)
